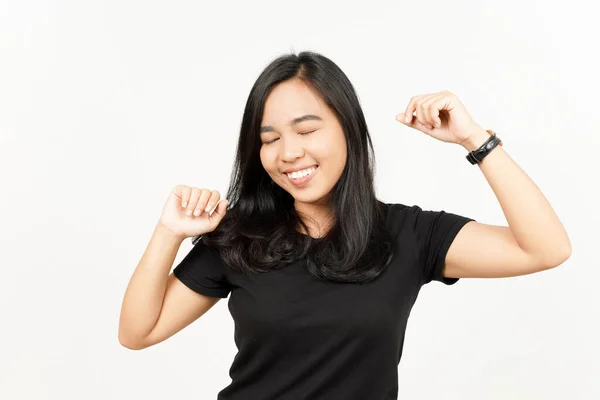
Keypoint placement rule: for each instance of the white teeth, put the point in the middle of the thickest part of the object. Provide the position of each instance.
(301, 174)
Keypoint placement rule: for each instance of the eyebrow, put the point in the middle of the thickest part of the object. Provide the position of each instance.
(308, 117)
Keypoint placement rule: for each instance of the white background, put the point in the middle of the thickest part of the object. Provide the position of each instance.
(105, 106)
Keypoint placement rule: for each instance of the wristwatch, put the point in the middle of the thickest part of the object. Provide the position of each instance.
(477, 155)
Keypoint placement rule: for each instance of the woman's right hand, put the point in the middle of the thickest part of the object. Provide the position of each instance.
(184, 212)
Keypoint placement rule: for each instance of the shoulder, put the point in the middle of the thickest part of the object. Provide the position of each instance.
(398, 212)
(415, 215)
(421, 221)
(399, 216)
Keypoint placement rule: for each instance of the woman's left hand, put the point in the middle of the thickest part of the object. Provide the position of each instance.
(442, 116)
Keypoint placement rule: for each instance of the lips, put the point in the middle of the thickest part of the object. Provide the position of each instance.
(288, 171)
(299, 182)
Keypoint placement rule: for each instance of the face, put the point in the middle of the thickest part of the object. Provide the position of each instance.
(300, 133)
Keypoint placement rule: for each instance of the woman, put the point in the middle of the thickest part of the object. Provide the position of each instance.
(322, 275)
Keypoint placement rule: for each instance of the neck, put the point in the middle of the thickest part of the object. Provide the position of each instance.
(317, 217)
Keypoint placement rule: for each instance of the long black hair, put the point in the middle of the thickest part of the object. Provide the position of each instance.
(260, 230)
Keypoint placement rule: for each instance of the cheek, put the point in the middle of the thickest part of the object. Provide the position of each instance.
(334, 150)
(267, 159)
(340, 159)
(263, 158)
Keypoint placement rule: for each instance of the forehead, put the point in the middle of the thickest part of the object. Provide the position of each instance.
(289, 100)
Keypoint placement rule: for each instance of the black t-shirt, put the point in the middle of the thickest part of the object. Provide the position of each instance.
(302, 338)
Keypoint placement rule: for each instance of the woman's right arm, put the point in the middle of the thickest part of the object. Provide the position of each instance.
(156, 304)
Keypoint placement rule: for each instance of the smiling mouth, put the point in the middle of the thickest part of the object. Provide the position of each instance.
(299, 178)
(302, 173)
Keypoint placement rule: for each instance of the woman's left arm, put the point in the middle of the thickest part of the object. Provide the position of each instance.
(535, 239)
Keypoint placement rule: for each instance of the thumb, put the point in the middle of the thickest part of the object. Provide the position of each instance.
(402, 118)
(414, 123)
(220, 211)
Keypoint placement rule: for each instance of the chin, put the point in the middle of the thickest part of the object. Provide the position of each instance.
(316, 197)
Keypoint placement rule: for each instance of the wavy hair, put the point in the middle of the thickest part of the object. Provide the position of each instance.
(260, 230)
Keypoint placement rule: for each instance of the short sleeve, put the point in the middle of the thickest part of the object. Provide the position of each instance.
(203, 271)
(435, 231)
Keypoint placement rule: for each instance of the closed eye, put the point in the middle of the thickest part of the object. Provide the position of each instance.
(305, 133)
(299, 133)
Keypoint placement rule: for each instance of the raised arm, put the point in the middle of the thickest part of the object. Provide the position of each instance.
(157, 305)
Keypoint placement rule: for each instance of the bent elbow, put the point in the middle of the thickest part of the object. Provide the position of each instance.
(557, 257)
(566, 254)
(131, 344)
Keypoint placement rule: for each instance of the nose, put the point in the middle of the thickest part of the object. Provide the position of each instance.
(291, 149)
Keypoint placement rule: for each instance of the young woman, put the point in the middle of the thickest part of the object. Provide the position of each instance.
(322, 274)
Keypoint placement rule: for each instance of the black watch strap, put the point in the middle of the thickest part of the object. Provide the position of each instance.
(477, 155)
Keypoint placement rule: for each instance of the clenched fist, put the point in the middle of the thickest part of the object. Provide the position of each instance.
(187, 211)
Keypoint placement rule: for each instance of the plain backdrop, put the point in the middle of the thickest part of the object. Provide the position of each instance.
(105, 106)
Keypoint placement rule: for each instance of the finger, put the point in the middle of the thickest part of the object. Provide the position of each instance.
(212, 201)
(410, 109)
(415, 124)
(422, 115)
(217, 216)
(444, 103)
(431, 108)
(221, 210)
(422, 127)
(194, 196)
(202, 200)
(185, 192)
